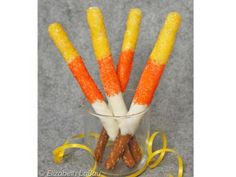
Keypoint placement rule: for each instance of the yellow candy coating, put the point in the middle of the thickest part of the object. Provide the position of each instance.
(132, 29)
(166, 39)
(98, 33)
(62, 42)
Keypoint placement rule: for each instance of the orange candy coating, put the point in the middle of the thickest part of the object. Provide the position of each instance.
(148, 82)
(85, 81)
(124, 68)
(108, 76)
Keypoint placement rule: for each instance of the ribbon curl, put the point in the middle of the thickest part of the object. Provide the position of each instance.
(151, 162)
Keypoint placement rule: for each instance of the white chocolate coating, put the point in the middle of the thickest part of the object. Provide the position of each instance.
(117, 104)
(110, 124)
(129, 125)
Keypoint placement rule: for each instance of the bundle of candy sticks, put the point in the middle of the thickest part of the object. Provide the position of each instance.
(115, 81)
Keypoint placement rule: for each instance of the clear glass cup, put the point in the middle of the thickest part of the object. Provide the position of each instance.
(92, 124)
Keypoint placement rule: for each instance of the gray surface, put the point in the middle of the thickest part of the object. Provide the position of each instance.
(59, 96)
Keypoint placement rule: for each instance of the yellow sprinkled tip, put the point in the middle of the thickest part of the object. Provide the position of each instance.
(62, 42)
(135, 11)
(132, 29)
(166, 39)
(98, 33)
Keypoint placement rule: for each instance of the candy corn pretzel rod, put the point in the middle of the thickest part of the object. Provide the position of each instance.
(147, 84)
(125, 63)
(108, 75)
(78, 69)
(124, 69)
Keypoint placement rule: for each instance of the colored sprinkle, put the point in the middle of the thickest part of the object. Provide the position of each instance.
(62, 41)
(98, 33)
(85, 81)
(166, 39)
(124, 68)
(148, 83)
(132, 29)
(108, 76)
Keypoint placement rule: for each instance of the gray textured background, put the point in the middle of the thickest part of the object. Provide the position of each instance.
(59, 113)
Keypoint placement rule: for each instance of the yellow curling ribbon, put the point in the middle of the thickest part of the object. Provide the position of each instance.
(151, 162)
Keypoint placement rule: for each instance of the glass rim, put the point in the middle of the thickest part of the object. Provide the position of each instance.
(89, 109)
(93, 113)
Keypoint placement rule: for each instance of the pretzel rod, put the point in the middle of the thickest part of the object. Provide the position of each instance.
(148, 83)
(108, 74)
(135, 149)
(128, 47)
(101, 144)
(118, 148)
(128, 158)
(123, 73)
(125, 64)
(81, 74)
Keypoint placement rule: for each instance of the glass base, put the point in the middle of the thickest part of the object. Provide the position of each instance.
(121, 170)
(92, 124)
